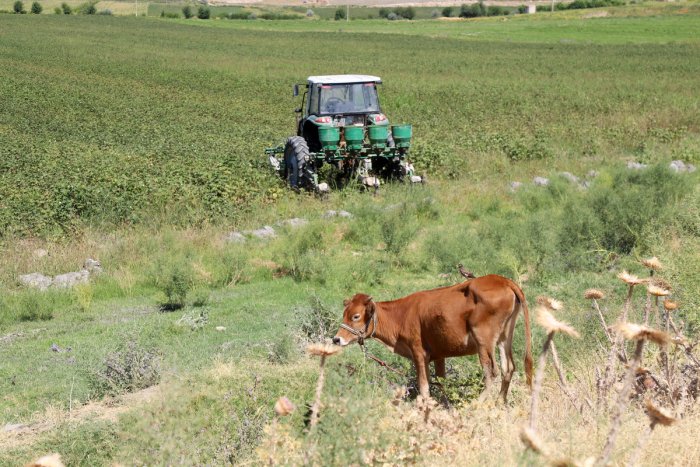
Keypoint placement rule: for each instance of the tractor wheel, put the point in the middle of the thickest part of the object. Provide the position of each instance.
(297, 167)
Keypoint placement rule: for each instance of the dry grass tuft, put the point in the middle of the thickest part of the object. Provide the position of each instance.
(551, 324)
(52, 460)
(637, 332)
(593, 294)
(532, 441)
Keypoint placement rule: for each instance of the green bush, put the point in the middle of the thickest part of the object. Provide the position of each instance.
(66, 9)
(18, 8)
(339, 14)
(447, 11)
(35, 306)
(175, 278)
(283, 350)
(36, 8)
(89, 9)
(317, 321)
(203, 12)
(187, 12)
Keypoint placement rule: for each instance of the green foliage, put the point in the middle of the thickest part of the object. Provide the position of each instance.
(187, 12)
(317, 321)
(66, 9)
(175, 278)
(36, 8)
(447, 11)
(18, 8)
(203, 12)
(283, 350)
(339, 13)
(88, 9)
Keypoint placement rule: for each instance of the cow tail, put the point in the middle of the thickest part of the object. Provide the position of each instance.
(528, 334)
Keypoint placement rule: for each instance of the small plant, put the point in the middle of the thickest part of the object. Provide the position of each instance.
(36, 8)
(318, 321)
(447, 11)
(175, 279)
(282, 350)
(90, 9)
(18, 8)
(66, 9)
(339, 14)
(195, 321)
(309, 13)
(129, 368)
(203, 12)
(35, 306)
(187, 12)
(83, 295)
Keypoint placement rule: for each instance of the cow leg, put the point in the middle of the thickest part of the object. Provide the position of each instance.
(487, 365)
(422, 363)
(440, 367)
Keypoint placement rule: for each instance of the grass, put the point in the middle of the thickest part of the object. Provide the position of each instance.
(146, 156)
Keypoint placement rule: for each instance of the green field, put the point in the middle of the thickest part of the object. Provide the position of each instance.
(140, 141)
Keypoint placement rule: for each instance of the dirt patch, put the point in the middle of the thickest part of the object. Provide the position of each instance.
(18, 435)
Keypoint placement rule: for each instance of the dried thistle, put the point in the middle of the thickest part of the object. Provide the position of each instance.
(659, 282)
(670, 305)
(657, 291)
(629, 279)
(323, 350)
(552, 325)
(658, 415)
(532, 441)
(284, 407)
(593, 294)
(652, 263)
(551, 303)
(637, 332)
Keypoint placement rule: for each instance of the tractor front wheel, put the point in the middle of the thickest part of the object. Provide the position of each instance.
(296, 154)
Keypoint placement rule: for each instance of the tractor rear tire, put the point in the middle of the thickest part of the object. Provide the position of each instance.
(296, 153)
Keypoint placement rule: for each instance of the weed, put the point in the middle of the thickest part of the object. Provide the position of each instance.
(175, 278)
(127, 369)
(318, 321)
(283, 350)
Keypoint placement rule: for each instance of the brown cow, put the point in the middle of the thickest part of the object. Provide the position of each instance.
(431, 325)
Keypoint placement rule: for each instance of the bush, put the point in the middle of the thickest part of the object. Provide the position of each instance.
(129, 368)
(108, 12)
(57, 11)
(175, 278)
(318, 321)
(384, 12)
(472, 11)
(187, 12)
(339, 14)
(66, 9)
(448, 11)
(203, 12)
(405, 12)
(392, 16)
(309, 13)
(18, 8)
(35, 306)
(89, 9)
(36, 8)
(283, 350)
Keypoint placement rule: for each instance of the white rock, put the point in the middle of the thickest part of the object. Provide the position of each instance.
(92, 266)
(541, 181)
(235, 237)
(323, 187)
(264, 233)
(71, 279)
(294, 223)
(416, 179)
(570, 177)
(680, 166)
(515, 185)
(220, 328)
(36, 280)
(40, 253)
(636, 165)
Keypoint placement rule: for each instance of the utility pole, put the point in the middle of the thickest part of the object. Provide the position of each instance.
(347, 12)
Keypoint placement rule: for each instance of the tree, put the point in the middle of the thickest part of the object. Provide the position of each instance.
(36, 8)
(18, 8)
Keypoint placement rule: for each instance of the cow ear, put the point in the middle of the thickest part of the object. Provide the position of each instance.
(345, 302)
(368, 301)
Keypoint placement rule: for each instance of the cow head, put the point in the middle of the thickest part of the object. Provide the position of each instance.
(358, 313)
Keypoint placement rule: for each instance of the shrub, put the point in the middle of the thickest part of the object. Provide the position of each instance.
(309, 13)
(36, 8)
(522, 9)
(203, 12)
(339, 14)
(392, 16)
(448, 11)
(18, 8)
(35, 306)
(435, 14)
(89, 9)
(384, 12)
(318, 321)
(283, 350)
(108, 12)
(57, 11)
(127, 369)
(187, 12)
(67, 10)
(406, 12)
(472, 11)
(175, 278)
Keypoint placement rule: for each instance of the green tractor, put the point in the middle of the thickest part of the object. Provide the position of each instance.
(340, 123)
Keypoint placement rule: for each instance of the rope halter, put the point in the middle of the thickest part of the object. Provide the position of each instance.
(362, 335)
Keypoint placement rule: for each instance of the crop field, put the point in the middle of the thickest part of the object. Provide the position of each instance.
(138, 141)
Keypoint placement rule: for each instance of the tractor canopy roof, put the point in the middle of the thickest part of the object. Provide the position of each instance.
(344, 79)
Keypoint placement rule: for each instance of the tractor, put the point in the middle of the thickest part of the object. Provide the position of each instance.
(341, 123)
